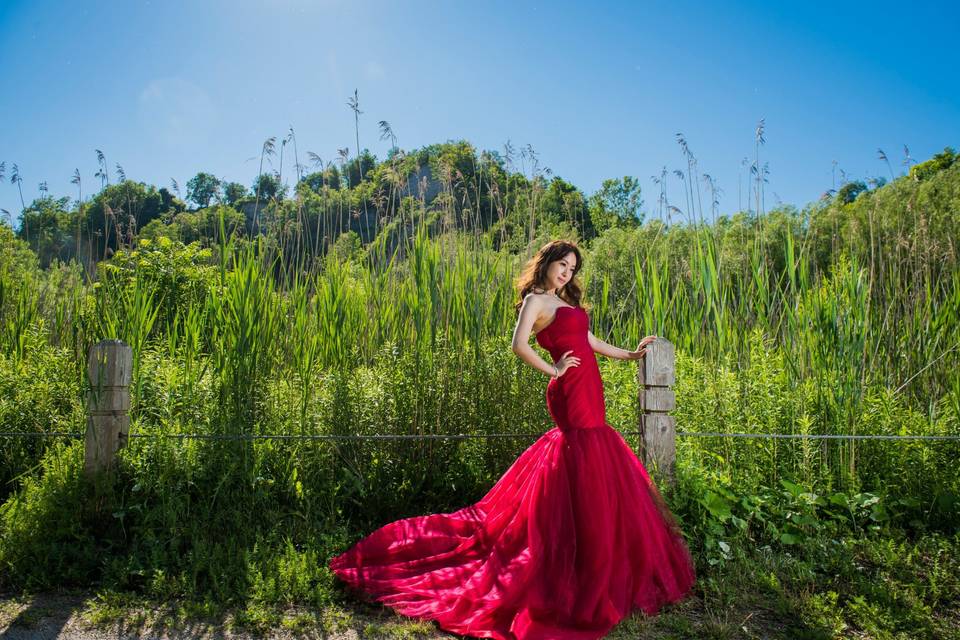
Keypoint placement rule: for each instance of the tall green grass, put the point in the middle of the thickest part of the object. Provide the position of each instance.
(780, 328)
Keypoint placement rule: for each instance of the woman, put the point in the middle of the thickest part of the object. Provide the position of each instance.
(571, 538)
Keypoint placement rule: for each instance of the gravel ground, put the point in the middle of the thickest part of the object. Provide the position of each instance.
(80, 616)
(75, 617)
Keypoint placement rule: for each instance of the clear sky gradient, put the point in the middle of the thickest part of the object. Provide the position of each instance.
(600, 90)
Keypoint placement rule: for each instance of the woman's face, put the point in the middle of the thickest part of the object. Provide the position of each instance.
(560, 271)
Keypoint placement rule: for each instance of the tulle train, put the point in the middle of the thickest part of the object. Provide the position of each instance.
(571, 538)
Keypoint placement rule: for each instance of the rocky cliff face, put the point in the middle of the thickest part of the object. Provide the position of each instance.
(423, 180)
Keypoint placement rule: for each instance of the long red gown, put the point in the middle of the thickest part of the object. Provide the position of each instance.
(568, 541)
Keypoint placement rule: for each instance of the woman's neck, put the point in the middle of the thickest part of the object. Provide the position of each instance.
(552, 292)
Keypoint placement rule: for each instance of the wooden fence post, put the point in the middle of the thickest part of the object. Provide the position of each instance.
(656, 373)
(110, 367)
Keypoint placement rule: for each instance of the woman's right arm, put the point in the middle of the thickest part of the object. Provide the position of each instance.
(529, 311)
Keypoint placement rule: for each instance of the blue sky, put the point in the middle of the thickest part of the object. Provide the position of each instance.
(599, 90)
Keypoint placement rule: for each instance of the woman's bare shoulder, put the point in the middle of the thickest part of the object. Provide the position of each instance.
(534, 300)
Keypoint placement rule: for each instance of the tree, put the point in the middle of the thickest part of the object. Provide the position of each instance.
(202, 188)
(170, 205)
(233, 192)
(563, 202)
(617, 203)
(118, 211)
(18, 263)
(46, 226)
(268, 186)
(849, 192)
(317, 180)
(937, 163)
(357, 168)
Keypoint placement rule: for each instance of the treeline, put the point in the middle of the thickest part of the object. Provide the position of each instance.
(448, 186)
(507, 197)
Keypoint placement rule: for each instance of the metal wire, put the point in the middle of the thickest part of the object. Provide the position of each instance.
(462, 436)
(39, 434)
(424, 436)
(834, 436)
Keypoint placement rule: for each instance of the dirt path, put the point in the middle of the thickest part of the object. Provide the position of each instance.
(78, 616)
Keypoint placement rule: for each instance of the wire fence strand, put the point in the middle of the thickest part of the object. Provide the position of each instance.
(464, 436)
(812, 436)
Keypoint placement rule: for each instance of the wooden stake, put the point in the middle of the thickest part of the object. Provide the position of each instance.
(110, 367)
(656, 374)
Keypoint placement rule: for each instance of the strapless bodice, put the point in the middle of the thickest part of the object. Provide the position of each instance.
(575, 399)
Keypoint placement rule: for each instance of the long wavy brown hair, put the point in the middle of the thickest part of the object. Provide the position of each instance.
(534, 273)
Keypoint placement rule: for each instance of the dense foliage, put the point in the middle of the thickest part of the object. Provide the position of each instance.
(383, 305)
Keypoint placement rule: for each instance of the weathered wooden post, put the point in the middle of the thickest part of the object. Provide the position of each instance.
(656, 373)
(110, 367)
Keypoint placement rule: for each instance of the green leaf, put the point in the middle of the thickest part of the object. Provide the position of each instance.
(839, 499)
(794, 489)
(717, 505)
(789, 538)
